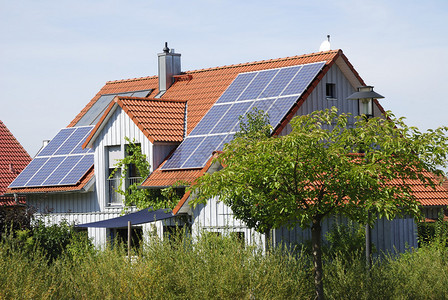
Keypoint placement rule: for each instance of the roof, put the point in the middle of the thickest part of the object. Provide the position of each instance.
(426, 195)
(81, 186)
(160, 120)
(202, 88)
(13, 158)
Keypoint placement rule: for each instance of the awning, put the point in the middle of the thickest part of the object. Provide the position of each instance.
(143, 216)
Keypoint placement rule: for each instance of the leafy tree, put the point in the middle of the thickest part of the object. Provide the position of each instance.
(318, 170)
(143, 198)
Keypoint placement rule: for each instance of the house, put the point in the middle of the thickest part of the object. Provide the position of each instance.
(179, 119)
(13, 159)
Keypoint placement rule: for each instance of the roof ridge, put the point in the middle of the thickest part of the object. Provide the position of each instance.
(266, 61)
(150, 99)
(131, 79)
(231, 66)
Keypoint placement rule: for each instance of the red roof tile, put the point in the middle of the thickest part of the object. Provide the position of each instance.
(13, 158)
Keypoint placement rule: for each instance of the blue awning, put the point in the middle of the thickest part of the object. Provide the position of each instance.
(140, 217)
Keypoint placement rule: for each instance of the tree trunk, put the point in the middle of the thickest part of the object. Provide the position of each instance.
(316, 231)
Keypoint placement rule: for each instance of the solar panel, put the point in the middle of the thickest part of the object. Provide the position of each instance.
(302, 79)
(28, 172)
(210, 119)
(258, 85)
(61, 162)
(56, 142)
(280, 81)
(204, 150)
(230, 118)
(62, 170)
(183, 152)
(236, 88)
(274, 91)
(45, 171)
(75, 174)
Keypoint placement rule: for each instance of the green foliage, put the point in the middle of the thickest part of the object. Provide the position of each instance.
(143, 198)
(318, 170)
(345, 240)
(52, 239)
(436, 232)
(217, 267)
(311, 173)
(15, 218)
(254, 125)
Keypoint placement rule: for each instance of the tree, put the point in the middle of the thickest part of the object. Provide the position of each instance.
(325, 166)
(143, 198)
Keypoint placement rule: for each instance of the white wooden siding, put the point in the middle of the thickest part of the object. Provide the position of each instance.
(317, 99)
(218, 217)
(114, 132)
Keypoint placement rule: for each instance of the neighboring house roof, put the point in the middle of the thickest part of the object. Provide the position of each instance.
(161, 120)
(13, 158)
(426, 195)
(81, 186)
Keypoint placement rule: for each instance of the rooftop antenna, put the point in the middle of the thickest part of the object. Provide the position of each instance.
(325, 46)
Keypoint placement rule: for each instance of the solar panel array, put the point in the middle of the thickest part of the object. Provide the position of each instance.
(93, 115)
(61, 162)
(274, 91)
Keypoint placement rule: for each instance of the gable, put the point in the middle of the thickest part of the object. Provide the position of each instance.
(13, 158)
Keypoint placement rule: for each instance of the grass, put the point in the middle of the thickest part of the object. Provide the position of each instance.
(216, 267)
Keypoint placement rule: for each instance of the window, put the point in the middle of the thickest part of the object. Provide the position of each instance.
(112, 183)
(330, 91)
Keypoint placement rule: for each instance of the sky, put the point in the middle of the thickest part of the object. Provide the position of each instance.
(56, 55)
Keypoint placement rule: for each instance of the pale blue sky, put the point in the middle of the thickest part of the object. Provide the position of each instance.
(56, 55)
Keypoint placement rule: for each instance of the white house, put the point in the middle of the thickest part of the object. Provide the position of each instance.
(180, 118)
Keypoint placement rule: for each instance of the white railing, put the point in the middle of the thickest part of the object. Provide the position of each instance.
(113, 184)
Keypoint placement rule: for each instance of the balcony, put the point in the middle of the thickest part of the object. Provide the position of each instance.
(113, 184)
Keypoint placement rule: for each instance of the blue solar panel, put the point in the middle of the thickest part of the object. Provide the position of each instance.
(236, 88)
(182, 152)
(231, 117)
(28, 172)
(226, 140)
(73, 141)
(78, 148)
(62, 170)
(78, 170)
(256, 89)
(257, 85)
(210, 119)
(40, 176)
(280, 81)
(303, 79)
(279, 109)
(57, 141)
(203, 152)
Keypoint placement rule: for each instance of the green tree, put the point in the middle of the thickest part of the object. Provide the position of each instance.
(143, 198)
(318, 170)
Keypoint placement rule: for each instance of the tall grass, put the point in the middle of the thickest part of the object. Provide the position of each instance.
(216, 267)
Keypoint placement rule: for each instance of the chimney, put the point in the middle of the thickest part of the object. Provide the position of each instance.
(169, 65)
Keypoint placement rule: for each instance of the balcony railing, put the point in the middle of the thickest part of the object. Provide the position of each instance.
(113, 184)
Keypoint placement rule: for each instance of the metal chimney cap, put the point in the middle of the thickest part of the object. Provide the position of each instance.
(365, 92)
(166, 49)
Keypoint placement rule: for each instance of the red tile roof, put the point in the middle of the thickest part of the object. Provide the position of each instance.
(13, 158)
(202, 88)
(426, 195)
(54, 189)
(161, 120)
